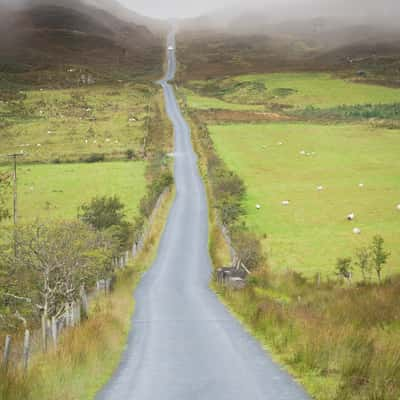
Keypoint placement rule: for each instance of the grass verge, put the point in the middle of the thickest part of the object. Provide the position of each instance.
(88, 354)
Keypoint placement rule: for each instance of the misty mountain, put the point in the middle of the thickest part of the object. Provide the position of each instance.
(42, 33)
(324, 23)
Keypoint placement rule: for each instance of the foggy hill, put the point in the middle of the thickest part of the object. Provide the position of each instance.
(325, 24)
(42, 33)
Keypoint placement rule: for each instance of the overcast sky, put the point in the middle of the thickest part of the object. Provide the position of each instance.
(176, 8)
(193, 8)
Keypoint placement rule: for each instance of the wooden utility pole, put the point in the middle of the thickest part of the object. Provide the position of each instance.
(14, 157)
(15, 194)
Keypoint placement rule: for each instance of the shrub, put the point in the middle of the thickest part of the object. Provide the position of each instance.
(102, 212)
(379, 255)
(130, 154)
(92, 158)
(248, 248)
(344, 268)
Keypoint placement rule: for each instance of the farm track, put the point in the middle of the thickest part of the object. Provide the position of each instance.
(184, 344)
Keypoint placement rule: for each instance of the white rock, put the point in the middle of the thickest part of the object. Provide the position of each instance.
(356, 231)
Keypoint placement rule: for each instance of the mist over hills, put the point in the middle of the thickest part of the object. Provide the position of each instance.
(326, 23)
(44, 33)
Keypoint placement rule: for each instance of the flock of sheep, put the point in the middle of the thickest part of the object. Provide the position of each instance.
(350, 217)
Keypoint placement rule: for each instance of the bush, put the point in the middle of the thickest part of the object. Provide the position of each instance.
(92, 158)
(130, 154)
(248, 248)
(102, 212)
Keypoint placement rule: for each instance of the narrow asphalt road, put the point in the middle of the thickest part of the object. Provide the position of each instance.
(184, 344)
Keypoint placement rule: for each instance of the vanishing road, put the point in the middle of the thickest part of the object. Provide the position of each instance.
(184, 344)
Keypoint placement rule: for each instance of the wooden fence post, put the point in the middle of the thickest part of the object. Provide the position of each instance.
(27, 343)
(7, 350)
(126, 257)
(84, 303)
(72, 313)
(67, 316)
(54, 331)
(78, 312)
(44, 333)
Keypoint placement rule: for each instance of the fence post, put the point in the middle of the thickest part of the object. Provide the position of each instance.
(67, 315)
(318, 279)
(44, 332)
(134, 250)
(78, 312)
(72, 313)
(107, 285)
(84, 303)
(126, 257)
(7, 350)
(27, 343)
(54, 331)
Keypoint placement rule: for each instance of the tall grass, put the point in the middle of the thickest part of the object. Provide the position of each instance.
(87, 355)
(342, 342)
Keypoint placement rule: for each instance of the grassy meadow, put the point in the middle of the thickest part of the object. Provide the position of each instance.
(320, 135)
(72, 124)
(55, 191)
(285, 91)
(289, 161)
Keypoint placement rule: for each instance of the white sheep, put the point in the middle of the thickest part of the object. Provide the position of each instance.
(356, 231)
(285, 202)
(361, 185)
(303, 152)
(258, 206)
(398, 207)
(319, 188)
(351, 217)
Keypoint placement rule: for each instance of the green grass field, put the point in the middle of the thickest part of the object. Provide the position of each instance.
(55, 191)
(206, 103)
(71, 124)
(310, 233)
(286, 90)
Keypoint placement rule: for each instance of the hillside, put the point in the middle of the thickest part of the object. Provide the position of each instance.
(42, 35)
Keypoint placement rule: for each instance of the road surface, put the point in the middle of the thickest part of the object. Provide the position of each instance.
(184, 344)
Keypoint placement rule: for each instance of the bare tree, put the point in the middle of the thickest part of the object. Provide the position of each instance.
(53, 262)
